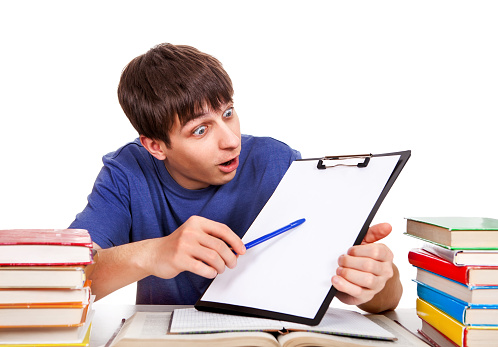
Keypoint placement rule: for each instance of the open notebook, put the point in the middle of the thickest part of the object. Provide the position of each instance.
(335, 321)
(349, 329)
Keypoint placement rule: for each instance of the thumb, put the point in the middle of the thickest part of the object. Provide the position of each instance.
(377, 232)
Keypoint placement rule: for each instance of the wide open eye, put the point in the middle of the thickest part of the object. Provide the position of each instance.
(200, 130)
(228, 113)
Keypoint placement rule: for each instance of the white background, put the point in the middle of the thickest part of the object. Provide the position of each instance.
(325, 77)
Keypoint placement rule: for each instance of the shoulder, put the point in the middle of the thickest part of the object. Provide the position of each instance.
(268, 147)
(130, 162)
(132, 151)
(130, 158)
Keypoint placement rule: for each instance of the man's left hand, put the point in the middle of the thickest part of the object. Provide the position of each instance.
(365, 269)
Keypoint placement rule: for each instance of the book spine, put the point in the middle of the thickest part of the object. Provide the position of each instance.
(432, 263)
(445, 253)
(452, 306)
(434, 336)
(441, 321)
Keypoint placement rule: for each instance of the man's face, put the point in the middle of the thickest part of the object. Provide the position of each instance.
(205, 151)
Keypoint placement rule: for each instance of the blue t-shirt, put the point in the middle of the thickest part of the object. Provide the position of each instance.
(134, 198)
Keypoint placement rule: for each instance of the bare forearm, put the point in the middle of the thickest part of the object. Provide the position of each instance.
(388, 298)
(116, 267)
(199, 245)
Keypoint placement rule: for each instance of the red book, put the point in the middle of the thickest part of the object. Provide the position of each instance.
(469, 275)
(45, 247)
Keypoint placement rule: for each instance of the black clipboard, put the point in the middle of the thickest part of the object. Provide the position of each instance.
(223, 295)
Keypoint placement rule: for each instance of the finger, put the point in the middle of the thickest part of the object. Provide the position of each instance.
(211, 258)
(377, 251)
(223, 251)
(226, 234)
(346, 298)
(192, 264)
(365, 265)
(199, 267)
(361, 279)
(348, 288)
(377, 232)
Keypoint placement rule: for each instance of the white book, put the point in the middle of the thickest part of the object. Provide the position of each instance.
(464, 257)
(19, 296)
(478, 295)
(42, 277)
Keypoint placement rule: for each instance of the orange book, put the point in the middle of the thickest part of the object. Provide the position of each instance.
(33, 296)
(43, 315)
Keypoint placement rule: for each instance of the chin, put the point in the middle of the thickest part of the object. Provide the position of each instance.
(227, 178)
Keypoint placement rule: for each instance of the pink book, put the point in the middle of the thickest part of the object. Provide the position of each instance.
(45, 247)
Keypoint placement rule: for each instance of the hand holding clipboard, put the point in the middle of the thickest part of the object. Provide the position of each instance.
(289, 278)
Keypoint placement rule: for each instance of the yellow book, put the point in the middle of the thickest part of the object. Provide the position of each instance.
(84, 343)
(462, 335)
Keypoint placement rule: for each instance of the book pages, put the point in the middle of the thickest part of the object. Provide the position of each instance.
(336, 321)
(403, 337)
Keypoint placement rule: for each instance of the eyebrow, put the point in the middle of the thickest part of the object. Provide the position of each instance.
(204, 113)
(197, 117)
(200, 114)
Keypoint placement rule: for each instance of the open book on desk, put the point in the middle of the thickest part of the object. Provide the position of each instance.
(340, 328)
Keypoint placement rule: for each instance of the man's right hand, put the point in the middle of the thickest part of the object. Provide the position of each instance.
(199, 245)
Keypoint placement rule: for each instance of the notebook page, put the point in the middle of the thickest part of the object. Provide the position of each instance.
(335, 321)
(189, 320)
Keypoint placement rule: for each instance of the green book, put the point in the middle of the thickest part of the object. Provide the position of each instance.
(455, 232)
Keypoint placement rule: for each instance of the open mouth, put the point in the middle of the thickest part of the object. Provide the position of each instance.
(230, 165)
(227, 163)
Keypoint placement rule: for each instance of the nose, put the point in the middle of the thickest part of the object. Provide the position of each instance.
(229, 136)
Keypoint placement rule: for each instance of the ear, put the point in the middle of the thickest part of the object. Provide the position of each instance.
(155, 147)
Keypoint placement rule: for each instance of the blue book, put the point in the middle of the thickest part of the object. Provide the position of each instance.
(464, 312)
(477, 295)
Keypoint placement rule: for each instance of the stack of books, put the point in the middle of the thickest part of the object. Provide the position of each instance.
(457, 279)
(44, 296)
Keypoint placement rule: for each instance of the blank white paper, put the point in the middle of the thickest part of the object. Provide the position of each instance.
(291, 273)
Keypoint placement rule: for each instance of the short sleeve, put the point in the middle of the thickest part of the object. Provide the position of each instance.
(107, 215)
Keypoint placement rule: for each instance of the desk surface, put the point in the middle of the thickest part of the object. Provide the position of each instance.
(108, 318)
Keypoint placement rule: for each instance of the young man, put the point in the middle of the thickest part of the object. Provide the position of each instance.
(166, 208)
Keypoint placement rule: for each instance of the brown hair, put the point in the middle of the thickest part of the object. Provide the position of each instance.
(169, 81)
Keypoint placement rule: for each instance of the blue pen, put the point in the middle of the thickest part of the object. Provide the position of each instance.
(275, 233)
